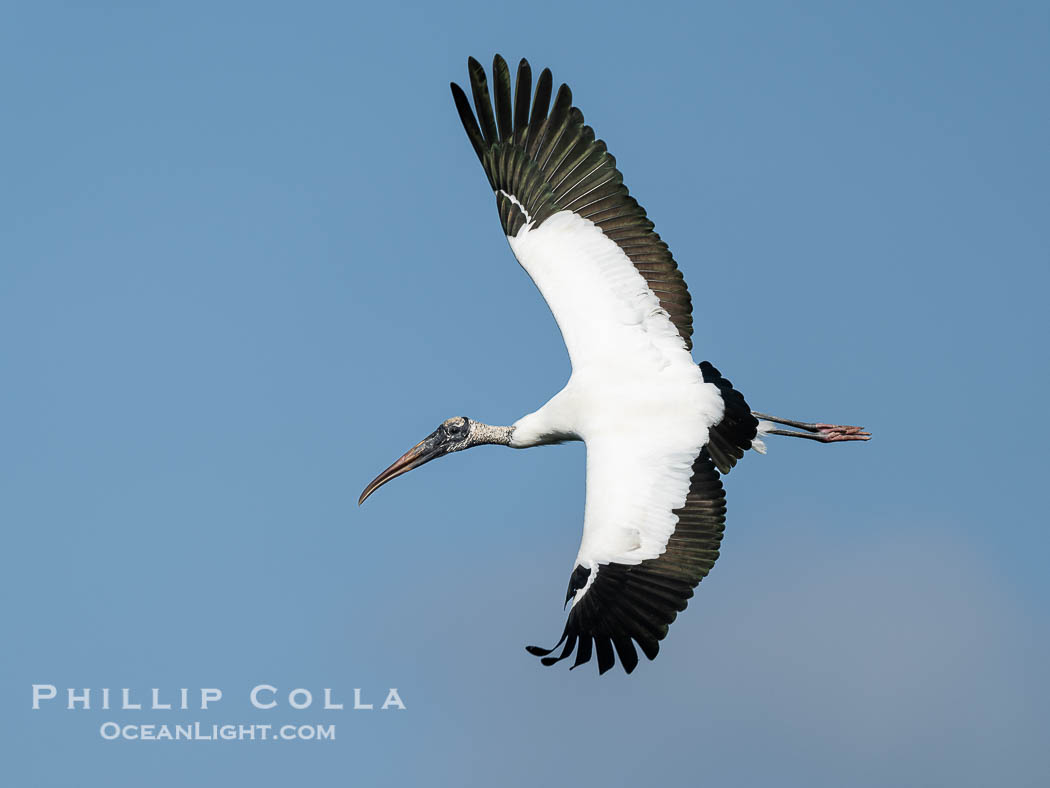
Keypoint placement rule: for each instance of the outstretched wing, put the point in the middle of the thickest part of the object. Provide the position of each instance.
(586, 243)
(619, 598)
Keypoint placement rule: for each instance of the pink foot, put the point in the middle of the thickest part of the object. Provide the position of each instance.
(831, 433)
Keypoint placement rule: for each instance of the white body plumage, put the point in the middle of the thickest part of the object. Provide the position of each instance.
(635, 397)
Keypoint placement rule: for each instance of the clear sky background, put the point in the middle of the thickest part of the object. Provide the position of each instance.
(247, 258)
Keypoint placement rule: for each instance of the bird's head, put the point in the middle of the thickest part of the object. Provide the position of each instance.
(453, 434)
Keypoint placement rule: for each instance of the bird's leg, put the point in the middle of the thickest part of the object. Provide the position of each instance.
(825, 433)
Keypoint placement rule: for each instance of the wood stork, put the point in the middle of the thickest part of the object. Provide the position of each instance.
(659, 429)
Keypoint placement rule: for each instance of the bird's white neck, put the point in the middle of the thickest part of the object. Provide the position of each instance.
(539, 429)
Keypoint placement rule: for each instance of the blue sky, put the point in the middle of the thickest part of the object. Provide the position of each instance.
(247, 258)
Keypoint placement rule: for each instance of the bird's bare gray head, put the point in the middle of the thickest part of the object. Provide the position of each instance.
(452, 435)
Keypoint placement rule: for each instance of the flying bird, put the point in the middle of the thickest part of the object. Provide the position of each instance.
(659, 429)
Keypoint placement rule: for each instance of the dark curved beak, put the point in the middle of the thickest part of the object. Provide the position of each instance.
(430, 448)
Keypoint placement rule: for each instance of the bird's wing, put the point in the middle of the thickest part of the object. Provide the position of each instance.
(652, 530)
(610, 281)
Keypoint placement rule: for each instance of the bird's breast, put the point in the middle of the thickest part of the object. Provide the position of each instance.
(661, 404)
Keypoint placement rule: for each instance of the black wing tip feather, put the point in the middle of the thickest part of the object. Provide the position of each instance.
(604, 647)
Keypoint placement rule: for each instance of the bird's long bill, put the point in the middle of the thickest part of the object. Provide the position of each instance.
(430, 448)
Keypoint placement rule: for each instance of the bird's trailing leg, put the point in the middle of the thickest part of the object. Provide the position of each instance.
(825, 433)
